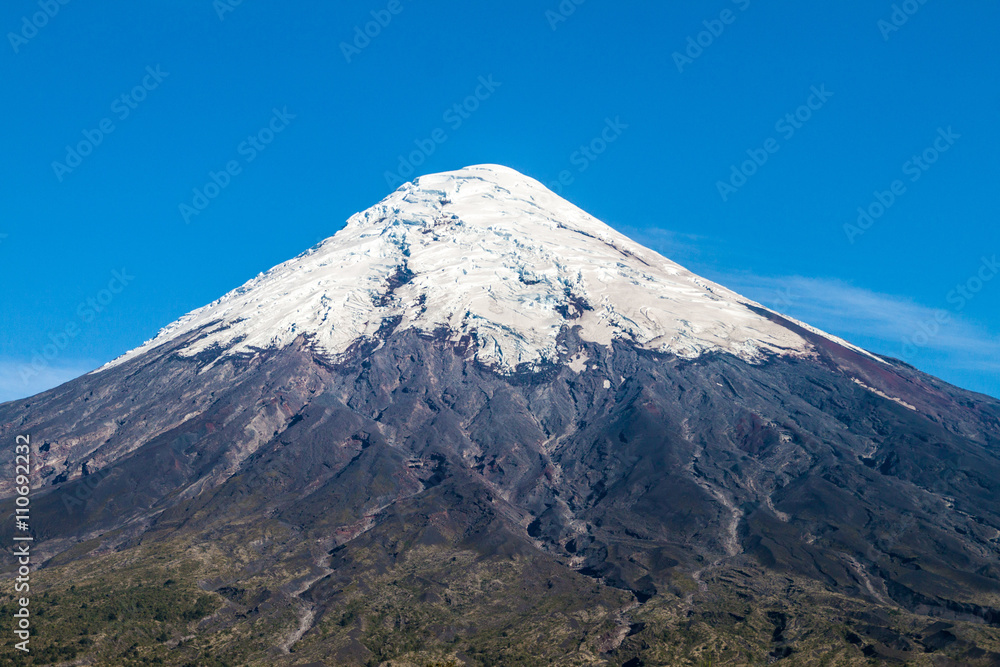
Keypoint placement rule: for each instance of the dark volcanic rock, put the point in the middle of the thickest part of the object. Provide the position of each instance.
(680, 460)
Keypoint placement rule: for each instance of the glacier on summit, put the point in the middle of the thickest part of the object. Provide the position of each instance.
(488, 253)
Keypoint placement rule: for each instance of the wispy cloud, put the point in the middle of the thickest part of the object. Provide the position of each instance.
(16, 383)
(892, 318)
(672, 244)
(937, 340)
(940, 341)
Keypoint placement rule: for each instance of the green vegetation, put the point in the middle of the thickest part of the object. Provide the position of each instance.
(391, 600)
(128, 616)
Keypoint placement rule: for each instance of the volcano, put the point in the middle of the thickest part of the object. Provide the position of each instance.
(478, 426)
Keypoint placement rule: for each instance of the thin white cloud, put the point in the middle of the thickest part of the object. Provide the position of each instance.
(680, 244)
(888, 324)
(20, 380)
(896, 325)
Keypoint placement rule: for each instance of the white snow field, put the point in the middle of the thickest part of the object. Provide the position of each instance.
(491, 252)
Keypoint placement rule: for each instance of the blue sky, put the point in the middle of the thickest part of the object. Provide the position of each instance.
(301, 131)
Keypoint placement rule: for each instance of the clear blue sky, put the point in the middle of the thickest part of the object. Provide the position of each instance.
(779, 237)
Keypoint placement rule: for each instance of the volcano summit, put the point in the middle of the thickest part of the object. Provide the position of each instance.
(489, 253)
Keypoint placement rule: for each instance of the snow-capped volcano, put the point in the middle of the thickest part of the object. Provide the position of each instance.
(787, 492)
(489, 253)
